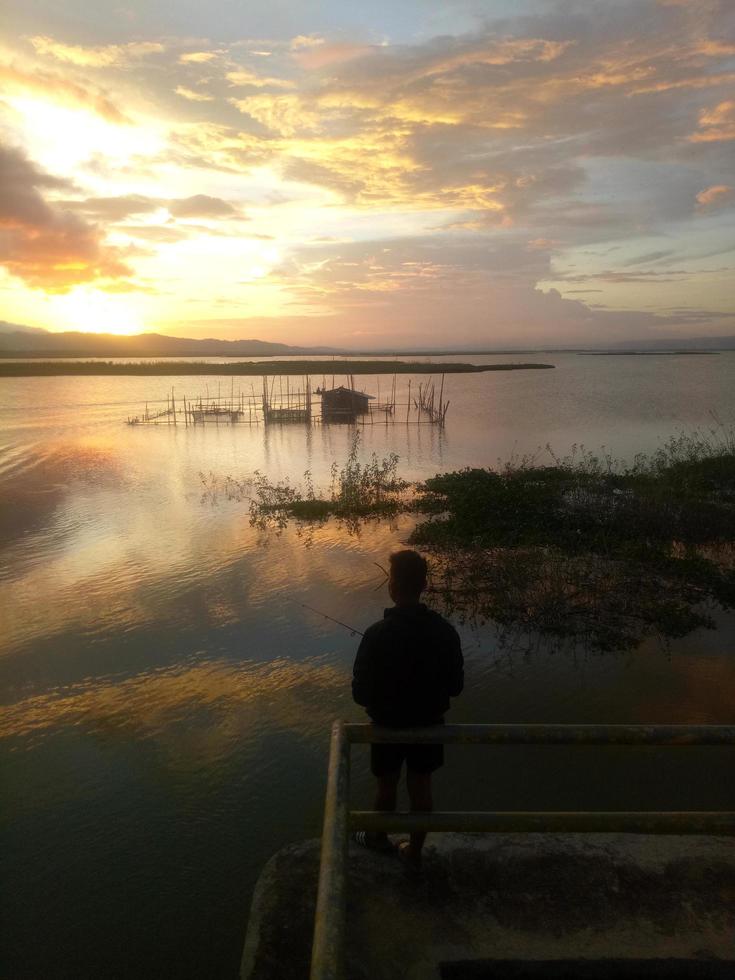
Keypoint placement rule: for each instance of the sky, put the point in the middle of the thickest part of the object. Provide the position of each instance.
(415, 172)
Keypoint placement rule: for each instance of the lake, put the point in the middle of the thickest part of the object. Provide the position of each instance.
(167, 701)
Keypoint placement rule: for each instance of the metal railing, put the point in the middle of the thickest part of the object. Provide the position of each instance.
(327, 950)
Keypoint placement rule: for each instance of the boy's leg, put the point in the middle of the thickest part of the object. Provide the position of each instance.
(419, 794)
(386, 762)
(387, 791)
(385, 798)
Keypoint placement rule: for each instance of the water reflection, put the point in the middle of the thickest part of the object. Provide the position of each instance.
(225, 702)
(167, 702)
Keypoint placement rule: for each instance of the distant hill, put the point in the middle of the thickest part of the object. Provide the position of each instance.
(33, 342)
(17, 340)
(6, 327)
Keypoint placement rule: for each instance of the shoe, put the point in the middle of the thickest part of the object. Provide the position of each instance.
(372, 841)
(410, 862)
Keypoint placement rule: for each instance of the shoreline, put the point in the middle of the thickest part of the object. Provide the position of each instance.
(249, 368)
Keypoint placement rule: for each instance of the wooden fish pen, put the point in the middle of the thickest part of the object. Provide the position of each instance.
(289, 406)
(283, 402)
(427, 402)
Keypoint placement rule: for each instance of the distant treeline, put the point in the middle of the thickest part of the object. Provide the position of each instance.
(34, 369)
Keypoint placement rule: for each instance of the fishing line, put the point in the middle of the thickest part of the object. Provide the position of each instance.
(339, 622)
(324, 615)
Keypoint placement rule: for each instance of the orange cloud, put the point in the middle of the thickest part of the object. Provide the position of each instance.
(191, 95)
(716, 195)
(244, 77)
(283, 114)
(302, 41)
(716, 124)
(213, 145)
(54, 87)
(101, 56)
(201, 206)
(197, 57)
(324, 54)
(694, 82)
(49, 249)
(503, 51)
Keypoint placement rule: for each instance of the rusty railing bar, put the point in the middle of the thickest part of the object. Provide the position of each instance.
(327, 952)
(547, 734)
(554, 821)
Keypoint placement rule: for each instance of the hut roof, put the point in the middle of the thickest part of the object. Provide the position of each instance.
(348, 391)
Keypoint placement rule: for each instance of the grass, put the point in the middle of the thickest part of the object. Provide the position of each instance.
(356, 492)
(583, 549)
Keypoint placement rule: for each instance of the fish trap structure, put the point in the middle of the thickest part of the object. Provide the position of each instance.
(291, 400)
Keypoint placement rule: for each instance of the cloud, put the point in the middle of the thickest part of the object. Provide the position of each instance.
(717, 123)
(198, 57)
(409, 290)
(640, 276)
(323, 54)
(285, 115)
(101, 56)
(500, 126)
(216, 146)
(155, 233)
(46, 247)
(302, 41)
(202, 206)
(112, 208)
(649, 257)
(191, 95)
(716, 196)
(245, 77)
(533, 136)
(57, 88)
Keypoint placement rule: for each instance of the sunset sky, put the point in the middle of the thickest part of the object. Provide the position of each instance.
(433, 172)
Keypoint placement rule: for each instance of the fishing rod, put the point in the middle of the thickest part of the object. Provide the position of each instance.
(331, 619)
(339, 622)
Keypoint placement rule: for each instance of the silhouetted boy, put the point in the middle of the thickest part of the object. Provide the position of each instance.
(408, 666)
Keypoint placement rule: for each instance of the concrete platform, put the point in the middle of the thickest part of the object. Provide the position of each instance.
(527, 897)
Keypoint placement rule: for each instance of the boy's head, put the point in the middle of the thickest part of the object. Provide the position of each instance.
(407, 577)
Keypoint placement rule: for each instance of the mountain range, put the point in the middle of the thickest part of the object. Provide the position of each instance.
(17, 340)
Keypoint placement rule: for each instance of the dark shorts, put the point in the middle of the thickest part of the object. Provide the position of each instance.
(387, 759)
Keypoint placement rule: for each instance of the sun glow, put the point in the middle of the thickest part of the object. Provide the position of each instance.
(92, 311)
(63, 138)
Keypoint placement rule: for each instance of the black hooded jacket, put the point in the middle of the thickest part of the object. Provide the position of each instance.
(408, 666)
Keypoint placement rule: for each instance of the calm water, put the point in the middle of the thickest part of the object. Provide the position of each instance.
(167, 703)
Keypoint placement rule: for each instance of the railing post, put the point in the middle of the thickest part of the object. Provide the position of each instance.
(327, 962)
(327, 956)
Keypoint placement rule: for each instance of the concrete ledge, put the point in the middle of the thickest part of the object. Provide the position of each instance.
(529, 897)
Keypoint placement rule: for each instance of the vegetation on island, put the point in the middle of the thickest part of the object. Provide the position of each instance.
(357, 492)
(30, 369)
(581, 549)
